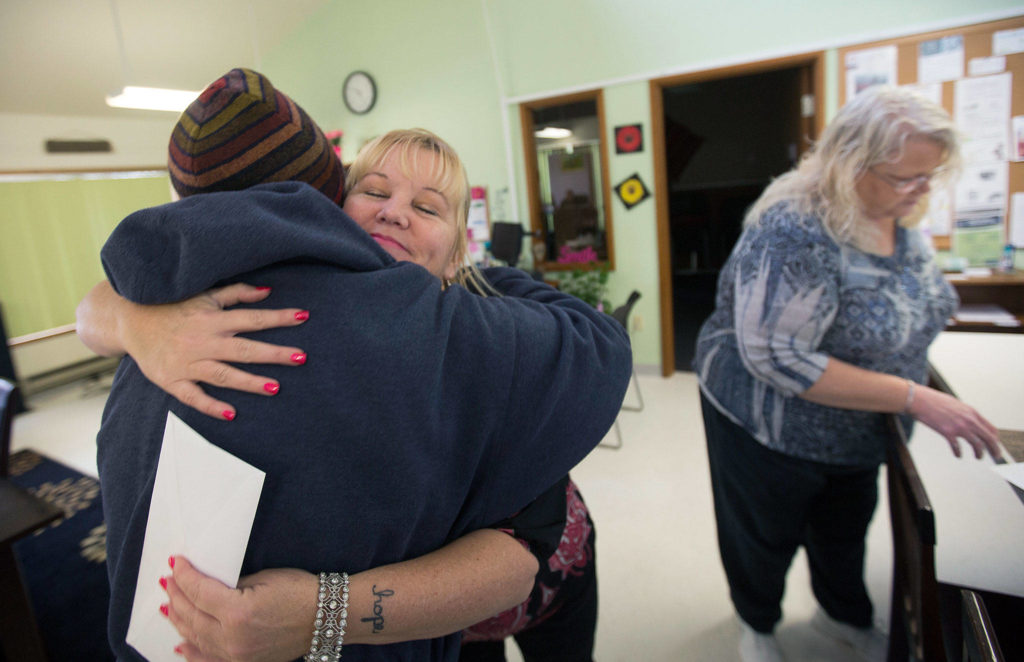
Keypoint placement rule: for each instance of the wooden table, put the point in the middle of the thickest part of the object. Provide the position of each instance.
(1013, 441)
(979, 517)
(979, 520)
(21, 513)
(1002, 289)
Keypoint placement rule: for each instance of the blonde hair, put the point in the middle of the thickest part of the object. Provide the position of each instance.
(449, 175)
(870, 129)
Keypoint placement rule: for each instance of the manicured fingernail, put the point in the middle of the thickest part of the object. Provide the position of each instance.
(163, 583)
(177, 649)
(271, 388)
(164, 610)
(263, 288)
(302, 315)
(299, 357)
(228, 414)
(170, 562)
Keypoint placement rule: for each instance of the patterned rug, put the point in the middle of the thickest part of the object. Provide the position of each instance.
(64, 564)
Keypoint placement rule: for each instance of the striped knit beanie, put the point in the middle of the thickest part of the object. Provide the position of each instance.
(241, 132)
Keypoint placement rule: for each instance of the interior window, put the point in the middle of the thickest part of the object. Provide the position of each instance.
(567, 180)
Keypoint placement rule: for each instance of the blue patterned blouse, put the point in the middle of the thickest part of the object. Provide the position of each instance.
(790, 297)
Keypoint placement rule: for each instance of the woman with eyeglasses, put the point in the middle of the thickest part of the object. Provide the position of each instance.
(824, 314)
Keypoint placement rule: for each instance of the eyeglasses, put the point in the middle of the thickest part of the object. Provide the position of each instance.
(904, 185)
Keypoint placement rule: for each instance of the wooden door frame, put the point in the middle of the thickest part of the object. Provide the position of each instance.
(814, 62)
(538, 226)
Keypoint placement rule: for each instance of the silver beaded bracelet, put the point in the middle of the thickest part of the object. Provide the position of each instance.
(331, 618)
(910, 396)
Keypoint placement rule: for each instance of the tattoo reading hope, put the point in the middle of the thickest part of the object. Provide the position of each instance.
(378, 608)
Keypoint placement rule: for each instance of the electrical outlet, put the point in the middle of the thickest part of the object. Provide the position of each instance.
(638, 322)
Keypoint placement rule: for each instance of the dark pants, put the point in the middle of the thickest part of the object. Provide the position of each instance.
(767, 504)
(565, 635)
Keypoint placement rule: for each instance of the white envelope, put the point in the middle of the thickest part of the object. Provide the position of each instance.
(204, 502)
(1011, 471)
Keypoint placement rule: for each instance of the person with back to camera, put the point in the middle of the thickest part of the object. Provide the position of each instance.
(491, 420)
(824, 314)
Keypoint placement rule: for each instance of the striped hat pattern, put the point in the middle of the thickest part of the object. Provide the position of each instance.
(241, 132)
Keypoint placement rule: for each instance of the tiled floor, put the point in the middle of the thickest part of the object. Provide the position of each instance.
(663, 594)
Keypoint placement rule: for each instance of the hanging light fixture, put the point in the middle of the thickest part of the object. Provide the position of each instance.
(553, 132)
(145, 98)
(152, 98)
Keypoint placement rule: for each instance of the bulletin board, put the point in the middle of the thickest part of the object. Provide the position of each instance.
(986, 50)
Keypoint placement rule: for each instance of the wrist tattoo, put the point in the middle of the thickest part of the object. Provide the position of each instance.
(378, 608)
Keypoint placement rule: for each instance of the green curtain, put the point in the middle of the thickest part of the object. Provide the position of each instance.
(51, 232)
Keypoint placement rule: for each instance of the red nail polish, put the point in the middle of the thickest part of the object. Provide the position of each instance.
(302, 315)
(177, 649)
(263, 288)
(170, 562)
(163, 583)
(298, 357)
(228, 415)
(271, 388)
(164, 610)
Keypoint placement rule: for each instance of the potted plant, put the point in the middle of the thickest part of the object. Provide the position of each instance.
(588, 281)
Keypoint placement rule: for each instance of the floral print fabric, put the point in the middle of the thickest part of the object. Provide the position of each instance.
(789, 297)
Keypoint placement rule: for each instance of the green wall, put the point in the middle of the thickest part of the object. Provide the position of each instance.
(432, 65)
(460, 68)
(52, 235)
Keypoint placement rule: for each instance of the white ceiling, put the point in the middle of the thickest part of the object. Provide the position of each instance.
(61, 57)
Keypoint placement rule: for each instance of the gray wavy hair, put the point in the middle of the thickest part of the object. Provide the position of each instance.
(870, 129)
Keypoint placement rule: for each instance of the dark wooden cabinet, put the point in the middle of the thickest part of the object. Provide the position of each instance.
(1005, 290)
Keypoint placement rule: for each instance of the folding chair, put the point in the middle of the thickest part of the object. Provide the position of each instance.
(622, 315)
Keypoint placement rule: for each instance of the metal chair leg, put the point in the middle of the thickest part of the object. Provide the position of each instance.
(618, 434)
(639, 395)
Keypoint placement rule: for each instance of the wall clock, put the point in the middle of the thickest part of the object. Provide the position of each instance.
(359, 92)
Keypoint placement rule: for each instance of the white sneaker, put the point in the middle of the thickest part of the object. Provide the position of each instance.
(870, 643)
(758, 647)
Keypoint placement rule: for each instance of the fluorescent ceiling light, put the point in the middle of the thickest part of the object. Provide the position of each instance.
(152, 98)
(553, 132)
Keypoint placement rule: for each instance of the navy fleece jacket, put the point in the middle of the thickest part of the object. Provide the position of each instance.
(421, 414)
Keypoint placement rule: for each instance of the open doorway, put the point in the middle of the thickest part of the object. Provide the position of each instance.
(723, 138)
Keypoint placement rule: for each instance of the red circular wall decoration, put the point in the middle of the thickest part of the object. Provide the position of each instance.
(629, 138)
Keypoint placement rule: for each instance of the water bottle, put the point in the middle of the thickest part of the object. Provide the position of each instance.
(1006, 264)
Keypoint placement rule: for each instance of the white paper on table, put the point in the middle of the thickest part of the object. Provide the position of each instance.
(940, 59)
(203, 505)
(985, 312)
(1014, 473)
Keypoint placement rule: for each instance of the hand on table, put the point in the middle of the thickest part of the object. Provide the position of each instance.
(955, 420)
